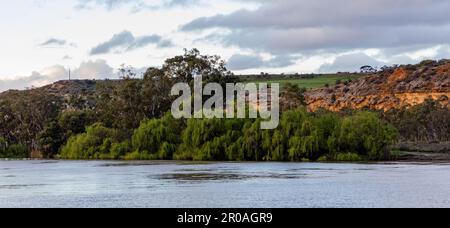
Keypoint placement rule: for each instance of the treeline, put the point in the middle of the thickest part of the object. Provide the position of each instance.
(427, 122)
(301, 136)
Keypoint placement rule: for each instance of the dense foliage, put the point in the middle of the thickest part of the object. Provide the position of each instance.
(12, 151)
(98, 142)
(301, 136)
(428, 122)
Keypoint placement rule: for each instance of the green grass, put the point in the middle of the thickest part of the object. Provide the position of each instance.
(310, 83)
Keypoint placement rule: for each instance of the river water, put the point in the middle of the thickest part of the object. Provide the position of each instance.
(85, 184)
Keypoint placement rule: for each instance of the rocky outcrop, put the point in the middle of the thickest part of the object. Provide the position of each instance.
(392, 88)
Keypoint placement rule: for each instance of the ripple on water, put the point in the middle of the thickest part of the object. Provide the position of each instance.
(128, 164)
(46, 162)
(209, 176)
(20, 186)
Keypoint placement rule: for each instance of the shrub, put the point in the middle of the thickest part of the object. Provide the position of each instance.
(96, 143)
(13, 151)
(347, 157)
(118, 150)
(136, 155)
(366, 134)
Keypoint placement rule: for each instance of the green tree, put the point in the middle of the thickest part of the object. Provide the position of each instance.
(96, 143)
(366, 134)
(75, 122)
(157, 138)
(50, 140)
(184, 67)
(292, 97)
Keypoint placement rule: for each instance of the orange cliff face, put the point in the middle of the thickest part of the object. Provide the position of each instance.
(405, 86)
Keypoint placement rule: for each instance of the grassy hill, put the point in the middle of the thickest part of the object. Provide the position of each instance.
(309, 81)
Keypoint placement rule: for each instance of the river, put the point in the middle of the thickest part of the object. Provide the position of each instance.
(85, 184)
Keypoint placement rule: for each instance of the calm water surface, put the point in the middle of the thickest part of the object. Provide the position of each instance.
(177, 184)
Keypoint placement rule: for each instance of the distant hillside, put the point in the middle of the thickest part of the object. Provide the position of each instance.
(307, 81)
(74, 87)
(60, 88)
(86, 88)
(70, 95)
(392, 88)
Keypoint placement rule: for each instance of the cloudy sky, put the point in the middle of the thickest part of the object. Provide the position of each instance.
(42, 39)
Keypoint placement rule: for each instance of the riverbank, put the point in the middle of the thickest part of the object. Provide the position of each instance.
(423, 157)
(400, 156)
(423, 152)
(425, 147)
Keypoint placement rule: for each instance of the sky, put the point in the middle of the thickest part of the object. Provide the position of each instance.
(42, 39)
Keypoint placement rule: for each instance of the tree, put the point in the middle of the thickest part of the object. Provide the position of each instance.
(12, 151)
(157, 138)
(185, 67)
(96, 143)
(292, 97)
(50, 140)
(75, 122)
(366, 134)
(368, 69)
(25, 114)
(156, 100)
(427, 122)
(3, 147)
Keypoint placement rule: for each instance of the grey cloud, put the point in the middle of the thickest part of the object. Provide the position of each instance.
(165, 43)
(350, 63)
(108, 4)
(126, 41)
(301, 26)
(290, 14)
(54, 42)
(335, 39)
(244, 62)
(173, 3)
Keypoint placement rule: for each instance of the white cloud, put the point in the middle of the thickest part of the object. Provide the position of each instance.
(98, 69)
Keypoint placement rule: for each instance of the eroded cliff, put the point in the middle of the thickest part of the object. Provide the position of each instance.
(392, 88)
